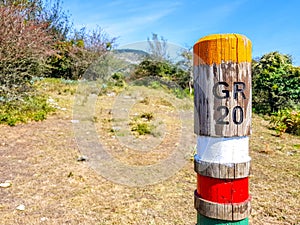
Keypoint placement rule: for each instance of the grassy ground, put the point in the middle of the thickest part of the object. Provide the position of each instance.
(39, 159)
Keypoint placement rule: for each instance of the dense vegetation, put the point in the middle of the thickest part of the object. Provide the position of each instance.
(37, 40)
(276, 91)
(160, 69)
(276, 83)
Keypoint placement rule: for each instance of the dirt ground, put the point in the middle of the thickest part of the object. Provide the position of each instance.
(40, 161)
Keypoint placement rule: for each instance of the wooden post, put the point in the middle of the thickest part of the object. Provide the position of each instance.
(222, 84)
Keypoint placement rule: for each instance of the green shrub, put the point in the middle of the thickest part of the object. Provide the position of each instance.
(74, 56)
(142, 128)
(155, 84)
(165, 70)
(286, 120)
(143, 124)
(118, 79)
(276, 83)
(181, 93)
(31, 108)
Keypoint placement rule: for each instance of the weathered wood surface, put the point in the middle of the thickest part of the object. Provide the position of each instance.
(222, 121)
(229, 212)
(222, 171)
(222, 85)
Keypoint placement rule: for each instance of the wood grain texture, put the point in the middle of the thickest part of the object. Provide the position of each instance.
(227, 212)
(222, 171)
(222, 118)
(222, 100)
(222, 85)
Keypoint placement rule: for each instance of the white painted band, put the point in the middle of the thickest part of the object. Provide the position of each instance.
(223, 149)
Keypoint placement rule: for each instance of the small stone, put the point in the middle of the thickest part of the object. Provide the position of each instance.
(21, 207)
(115, 129)
(6, 184)
(291, 153)
(111, 94)
(82, 158)
(43, 219)
(74, 121)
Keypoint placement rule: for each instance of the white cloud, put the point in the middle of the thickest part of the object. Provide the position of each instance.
(128, 25)
(208, 20)
(122, 18)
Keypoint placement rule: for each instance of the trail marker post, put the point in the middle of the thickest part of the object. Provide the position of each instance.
(222, 85)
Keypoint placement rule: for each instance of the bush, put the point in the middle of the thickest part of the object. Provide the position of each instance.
(162, 69)
(35, 42)
(73, 57)
(142, 128)
(65, 63)
(118, 79)
(30, 108)
(286, 120)
(24, 45)
(276, 83)
(142, 124)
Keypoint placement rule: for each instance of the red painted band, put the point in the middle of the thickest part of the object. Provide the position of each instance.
(223, 191)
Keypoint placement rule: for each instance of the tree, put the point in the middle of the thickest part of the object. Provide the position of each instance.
(74, 56)
(24, 45)
(159, 67)
(165, 72)
(25, 4)
(36, 41)
(45, 11)
(186, 64)
(158, 48)
(58, 20)
(275, 83)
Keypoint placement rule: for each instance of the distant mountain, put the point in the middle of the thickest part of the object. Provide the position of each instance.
(127, 60)
(131, 56)
(135, 51)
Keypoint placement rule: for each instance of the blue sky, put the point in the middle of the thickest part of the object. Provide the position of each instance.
(270, 25)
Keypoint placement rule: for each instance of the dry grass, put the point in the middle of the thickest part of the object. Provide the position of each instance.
(40, 160)
(275, 178)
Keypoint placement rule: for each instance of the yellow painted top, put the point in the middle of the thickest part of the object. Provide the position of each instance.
(218, 48)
